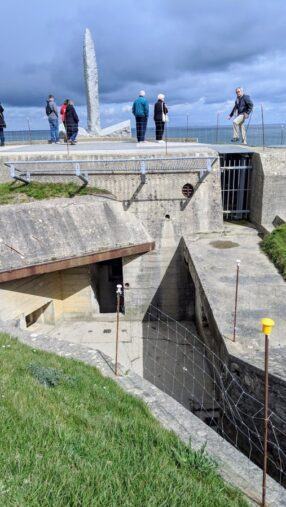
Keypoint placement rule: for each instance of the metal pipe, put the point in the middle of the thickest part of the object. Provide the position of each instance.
(118, 294)
(262, 122)
(29, 129)
(236, 298)
(266, 403)
(217, 126)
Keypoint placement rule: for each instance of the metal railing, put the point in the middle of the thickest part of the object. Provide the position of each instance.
(25, 170)
(179, 128)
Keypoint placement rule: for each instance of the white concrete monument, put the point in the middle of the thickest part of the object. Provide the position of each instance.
(122, 129)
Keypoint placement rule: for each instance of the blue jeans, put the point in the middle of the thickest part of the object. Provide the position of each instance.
(141, 125)
(54, 128)
(2, 138)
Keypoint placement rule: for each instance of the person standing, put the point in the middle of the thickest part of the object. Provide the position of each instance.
(63, 115)
(53, 117)
(242, 108)
(160, 117)
(2, 126)
(72, 121)
(140, 109)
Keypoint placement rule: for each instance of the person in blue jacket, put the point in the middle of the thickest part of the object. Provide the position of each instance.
(140, 109)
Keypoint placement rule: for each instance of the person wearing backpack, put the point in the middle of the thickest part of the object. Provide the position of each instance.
(160, 117)
(53, 117)
(2, 126)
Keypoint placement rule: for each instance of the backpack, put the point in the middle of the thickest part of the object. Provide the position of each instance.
(49, 110)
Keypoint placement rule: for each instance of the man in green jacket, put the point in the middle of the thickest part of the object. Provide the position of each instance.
(140, 109)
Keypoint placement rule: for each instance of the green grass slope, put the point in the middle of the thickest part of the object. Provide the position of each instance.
(70, 437)
(274, 245)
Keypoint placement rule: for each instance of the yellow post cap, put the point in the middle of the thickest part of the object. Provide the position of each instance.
(267, 325)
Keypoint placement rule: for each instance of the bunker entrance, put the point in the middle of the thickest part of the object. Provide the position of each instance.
(236, 185)
(105, 276)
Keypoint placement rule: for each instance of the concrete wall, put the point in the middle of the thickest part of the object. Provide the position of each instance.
(69, 293)
(268, 195)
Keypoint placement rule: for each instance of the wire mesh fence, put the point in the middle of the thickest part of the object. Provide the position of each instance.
(178, 362)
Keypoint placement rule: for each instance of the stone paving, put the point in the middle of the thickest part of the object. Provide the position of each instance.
(233, 466)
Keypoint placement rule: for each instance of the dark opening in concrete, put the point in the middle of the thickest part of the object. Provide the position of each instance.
(104, 278)
(188, 190)
(43, 314)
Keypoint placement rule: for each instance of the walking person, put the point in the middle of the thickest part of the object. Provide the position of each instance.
(63, 115)
(53, 117)
(2, 126)
(242, 108)
(160, 117)
(140, 109)
(72, 121)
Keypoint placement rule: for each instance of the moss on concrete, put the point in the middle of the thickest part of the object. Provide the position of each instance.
(18, 193)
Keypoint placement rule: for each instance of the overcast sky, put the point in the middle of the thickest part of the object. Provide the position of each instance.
(194, 51)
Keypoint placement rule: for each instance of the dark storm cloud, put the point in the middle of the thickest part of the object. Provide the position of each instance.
(189, 49)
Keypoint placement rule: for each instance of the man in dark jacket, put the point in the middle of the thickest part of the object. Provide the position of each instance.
(242, 108)
(71, 121)
(160, 112)
(2, 126)
(140, 109)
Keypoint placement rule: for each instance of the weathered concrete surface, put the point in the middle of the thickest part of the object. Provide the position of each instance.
(262, 292)
(234, 467)
(46, 231)
(91, 84)
(93, 151)
(269, 183)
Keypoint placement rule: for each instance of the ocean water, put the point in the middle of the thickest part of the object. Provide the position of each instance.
(273, 135)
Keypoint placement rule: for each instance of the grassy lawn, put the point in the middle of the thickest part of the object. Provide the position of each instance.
(274, 245)
(18, 193)
(84, 442)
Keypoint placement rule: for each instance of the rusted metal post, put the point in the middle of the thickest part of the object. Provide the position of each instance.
(266, 401)
(236, 299)
(118, 294)
(267, 325)
(262, 122)
(217, 126)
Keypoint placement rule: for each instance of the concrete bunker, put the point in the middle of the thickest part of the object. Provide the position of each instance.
(44, 280)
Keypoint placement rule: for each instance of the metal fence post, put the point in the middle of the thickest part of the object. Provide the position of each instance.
(217, 126)
(267, 325)
(262, 123)
(236, 298)
(29, 129)
(143, 171)
(118, 294)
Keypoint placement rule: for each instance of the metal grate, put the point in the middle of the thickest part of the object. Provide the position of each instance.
(236, 186)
